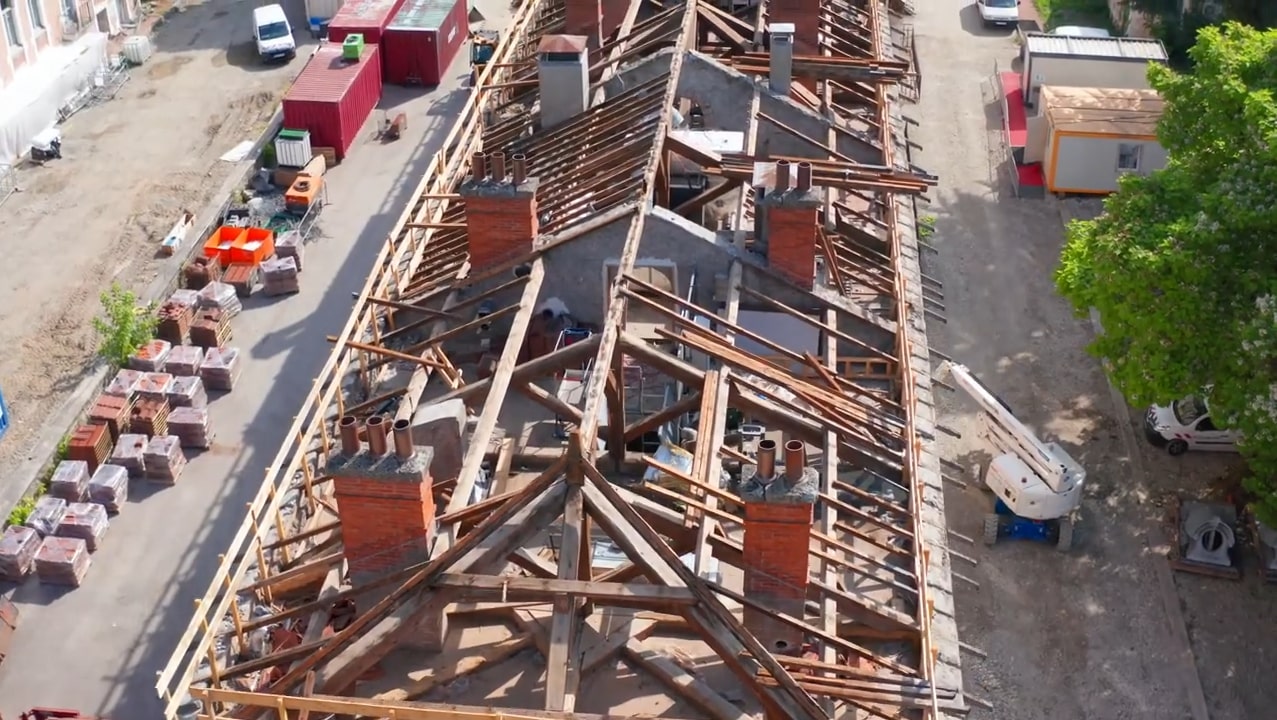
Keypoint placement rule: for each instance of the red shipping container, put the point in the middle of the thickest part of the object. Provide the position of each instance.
(422, 40)
(366, 17)
(332, 97)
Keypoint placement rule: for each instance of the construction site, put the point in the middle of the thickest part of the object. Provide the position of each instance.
(633, 415)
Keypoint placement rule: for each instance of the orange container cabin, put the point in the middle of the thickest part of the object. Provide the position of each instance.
(219, 244)
(256, 245)
(301, 195)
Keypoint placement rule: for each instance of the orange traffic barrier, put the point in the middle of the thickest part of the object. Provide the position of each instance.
(253, 247)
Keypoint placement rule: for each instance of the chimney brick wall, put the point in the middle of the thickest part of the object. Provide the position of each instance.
(805, 16)
(793, 220)
(777, 562)
(501, 220)
(585, 17)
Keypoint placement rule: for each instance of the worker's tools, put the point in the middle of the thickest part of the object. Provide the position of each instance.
(1038, 486)
(483, 46)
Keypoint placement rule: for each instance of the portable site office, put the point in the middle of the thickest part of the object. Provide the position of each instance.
(1068, 61)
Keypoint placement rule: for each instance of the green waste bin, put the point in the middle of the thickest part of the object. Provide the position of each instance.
(352, 48)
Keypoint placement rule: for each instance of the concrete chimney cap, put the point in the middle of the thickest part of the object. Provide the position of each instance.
(781, 29)
(563, 44)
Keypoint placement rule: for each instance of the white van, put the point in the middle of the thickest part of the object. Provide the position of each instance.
(999, 12)
(273, 34)
(1186, 425)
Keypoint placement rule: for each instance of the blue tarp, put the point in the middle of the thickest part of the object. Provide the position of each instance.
(4, 416)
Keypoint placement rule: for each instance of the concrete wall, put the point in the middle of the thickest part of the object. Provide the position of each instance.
(35, 35)
(1083, 72)
(1089, 164)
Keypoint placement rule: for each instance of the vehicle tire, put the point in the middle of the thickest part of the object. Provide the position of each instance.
(1177, 447)
(1064, 539)
(992, 527)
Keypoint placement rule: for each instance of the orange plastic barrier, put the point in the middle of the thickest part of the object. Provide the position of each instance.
(256, 245)
(219, 244)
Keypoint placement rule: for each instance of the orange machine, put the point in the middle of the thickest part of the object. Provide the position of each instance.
(301, 195)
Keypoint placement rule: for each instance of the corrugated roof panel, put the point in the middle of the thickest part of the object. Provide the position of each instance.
(364, 10)
(327, 76)
(422, 14)
(1129, 48)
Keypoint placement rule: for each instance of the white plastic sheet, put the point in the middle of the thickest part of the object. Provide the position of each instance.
(29, 105)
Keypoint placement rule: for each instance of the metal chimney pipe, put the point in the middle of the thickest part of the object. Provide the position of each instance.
(348, 426)
(804, 176)
(377, 435)
(496, 163)
(795, 459)
(766, 457)
(404, 449)
(782, 175)
(520, 172)
(478, 166)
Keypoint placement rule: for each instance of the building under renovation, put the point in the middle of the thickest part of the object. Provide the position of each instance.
(633, 418)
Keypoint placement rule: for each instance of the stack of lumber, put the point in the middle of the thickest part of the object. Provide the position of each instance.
(150, 417)
(220, 296)
(288, 244)
(130, 453)
(124, 384)
(113, 411)
(109, 487)
(154, 386)
(185, 360)
(90, 443)
(186, 392)
(62, 561)
(174, 322)
(211, 328)
(70, 481)
(46, 515)
(151, 356)
(242, 277)
(18, 546)
(221, 368)
(279, 276)
(164, 460)
(190, 425)
(85, 521)
(201, 271)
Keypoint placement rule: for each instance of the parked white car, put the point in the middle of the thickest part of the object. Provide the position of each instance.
(1186, 425)
(273, 33)
(999, 12)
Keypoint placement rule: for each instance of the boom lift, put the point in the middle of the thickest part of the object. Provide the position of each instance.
(1038, 486)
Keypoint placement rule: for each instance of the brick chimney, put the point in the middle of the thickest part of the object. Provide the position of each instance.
(384, 498)
(501, 209)
(804, 15)
(585, 18)
(778, 517)
(791, 220)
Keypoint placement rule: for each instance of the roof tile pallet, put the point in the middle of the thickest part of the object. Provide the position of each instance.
(242, 277)
(18, 546)
(186, 392)
(212, 328)
(130, 454)
(164, 460)
(288, 244)
(191, 426)
(46, 515)
(85, 521)
(185, 360)
(124, 384)
(279, 276)
(150, 417)
(70, 480)
(109, 487)
(62, 561)
(201, 271)
(221, 368)
(174, 322)
(151, 356)
(155, 386)
(113, 411)
(220, 296)
(90, 443)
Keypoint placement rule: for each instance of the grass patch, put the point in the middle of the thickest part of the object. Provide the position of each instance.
(1091, 13)
(926, 227)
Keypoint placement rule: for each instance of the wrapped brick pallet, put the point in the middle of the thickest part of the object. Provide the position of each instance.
(18, 546)
(85, 521)
(70, 480)
(46, 515)
(109, 487)
(62, 561)
(164, 460)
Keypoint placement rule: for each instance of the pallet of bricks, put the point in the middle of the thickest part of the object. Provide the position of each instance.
(248, 259)
(138, 428)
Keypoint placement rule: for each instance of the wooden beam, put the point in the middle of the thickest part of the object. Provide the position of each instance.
(543, 365)
(528, 589)
(487, 656)
(645, 425)
(563, 674)
(549, 401)
(697, 691)
(711, 464)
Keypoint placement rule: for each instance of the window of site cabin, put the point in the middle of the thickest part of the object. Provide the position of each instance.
(1128, 157)
(10, 18)
(37, 14)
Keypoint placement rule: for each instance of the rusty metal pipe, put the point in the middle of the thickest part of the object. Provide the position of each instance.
(404, 449)
(520, 172)
(795, 459)
(766, 457)
(496, 164)
(478, 166)
(348, 426)
(804, 176)
(377, 435)
(782, 175)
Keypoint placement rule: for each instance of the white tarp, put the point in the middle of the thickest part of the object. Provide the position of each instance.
(30, 103)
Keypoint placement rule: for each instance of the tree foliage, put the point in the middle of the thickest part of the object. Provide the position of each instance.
(1182, 266)
(124, 325)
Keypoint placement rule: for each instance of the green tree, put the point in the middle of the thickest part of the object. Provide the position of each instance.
(124, 325)
(1182, 266)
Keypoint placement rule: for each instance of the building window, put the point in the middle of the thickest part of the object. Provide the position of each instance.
(1128, 157)
(37, 14)
(10, 19)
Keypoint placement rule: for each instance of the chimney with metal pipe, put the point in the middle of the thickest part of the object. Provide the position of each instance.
(780, 51)
(478, 167)
(348, 426)
(520, 171)
(766, 457)
(496, 166)
(782, 175)
(404, 449)
(795, 460)
(377, 435)
(804, 177)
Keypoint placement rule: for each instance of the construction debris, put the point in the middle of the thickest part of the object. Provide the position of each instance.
(185, 360)
(129, 454)
(18, 546)
(86, 521)
(164, 460)
(190, 425)
(220, 296)
(151, 356)
(46, 515)
(280, 276)
(187, 392)
(221, 368)
(62, 561)
(70, 481)
(109, 487)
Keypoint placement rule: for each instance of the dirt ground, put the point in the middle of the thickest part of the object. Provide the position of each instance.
(1086, 634)
(130, 167)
